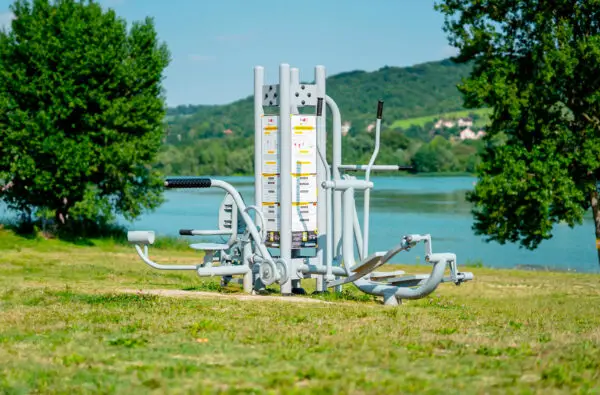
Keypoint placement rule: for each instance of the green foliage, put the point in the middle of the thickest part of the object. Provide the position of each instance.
(435, 156)
(535, 63)
(81, 111)
(210, 156)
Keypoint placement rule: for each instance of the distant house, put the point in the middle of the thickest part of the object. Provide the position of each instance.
(446, 123)
(468, 134)
(228, 132)
(465, 122)
(346, 128)
(370, 127)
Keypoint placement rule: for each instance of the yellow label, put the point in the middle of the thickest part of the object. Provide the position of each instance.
(271, 162)
(270, 127)
(271, 152)
(302, 127)
(270, 174)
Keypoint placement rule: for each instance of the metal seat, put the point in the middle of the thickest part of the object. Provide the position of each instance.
(209, 251)
(209, 246)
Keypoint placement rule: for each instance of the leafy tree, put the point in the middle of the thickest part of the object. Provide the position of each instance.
(81, 111)
(535, 63)
(434, 156)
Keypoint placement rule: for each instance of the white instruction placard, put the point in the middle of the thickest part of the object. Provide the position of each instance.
(304, 217)
(304, 144)
(272, 215)
(270, 144)
(270, 188)
(304, 188)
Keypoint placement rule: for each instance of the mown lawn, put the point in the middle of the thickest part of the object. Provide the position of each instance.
(67, 326)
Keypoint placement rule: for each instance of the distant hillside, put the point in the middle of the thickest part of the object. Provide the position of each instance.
(417, 91)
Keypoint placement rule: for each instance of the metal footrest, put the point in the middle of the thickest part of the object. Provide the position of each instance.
(408, 281)
(369, 263)
(379, 276)
(361, 269)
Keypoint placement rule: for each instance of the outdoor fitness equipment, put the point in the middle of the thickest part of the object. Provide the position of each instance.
(305, 219)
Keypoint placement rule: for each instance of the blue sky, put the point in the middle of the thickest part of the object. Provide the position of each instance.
(215, 44)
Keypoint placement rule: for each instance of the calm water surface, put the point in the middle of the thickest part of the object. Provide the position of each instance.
(401, 206)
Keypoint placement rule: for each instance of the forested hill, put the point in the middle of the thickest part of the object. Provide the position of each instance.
(218, 140)
(424, 89)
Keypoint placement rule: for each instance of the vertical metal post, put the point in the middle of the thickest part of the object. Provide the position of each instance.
(248, 277)
(348, 223)
(328, 196)
(294, 81)
(322, 213)
(336, 162)
(285, 177)
(259, 79)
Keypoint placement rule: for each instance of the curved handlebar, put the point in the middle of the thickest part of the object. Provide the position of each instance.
(379, 109)
(192, 182)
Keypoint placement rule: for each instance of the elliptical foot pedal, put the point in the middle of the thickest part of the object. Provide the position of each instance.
(361, 269)
(408, 281)
(369, 263)
(378, 276)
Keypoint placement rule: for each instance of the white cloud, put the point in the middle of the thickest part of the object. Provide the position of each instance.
(5, 19)
(449, 51)
(202, 58)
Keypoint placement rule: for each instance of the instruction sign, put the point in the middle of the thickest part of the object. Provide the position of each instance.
(304, 144)
(303, 178)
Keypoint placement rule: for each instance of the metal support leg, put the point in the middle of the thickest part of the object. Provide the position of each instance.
(389, 299)
(285, 135)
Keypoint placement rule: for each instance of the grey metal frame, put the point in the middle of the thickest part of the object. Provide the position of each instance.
(339, 230)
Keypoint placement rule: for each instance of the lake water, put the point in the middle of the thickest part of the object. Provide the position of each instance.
(400, 206)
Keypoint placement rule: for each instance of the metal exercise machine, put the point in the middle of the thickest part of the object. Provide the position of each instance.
(305, 222)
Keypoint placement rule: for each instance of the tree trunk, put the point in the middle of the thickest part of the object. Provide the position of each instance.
(596, 214)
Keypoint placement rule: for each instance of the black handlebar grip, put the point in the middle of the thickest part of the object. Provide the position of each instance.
(194, 182)
(379, 109)
(185, 232)
(319, 106)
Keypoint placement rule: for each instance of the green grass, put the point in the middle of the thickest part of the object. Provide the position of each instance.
(67, 326)
(422, 121)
